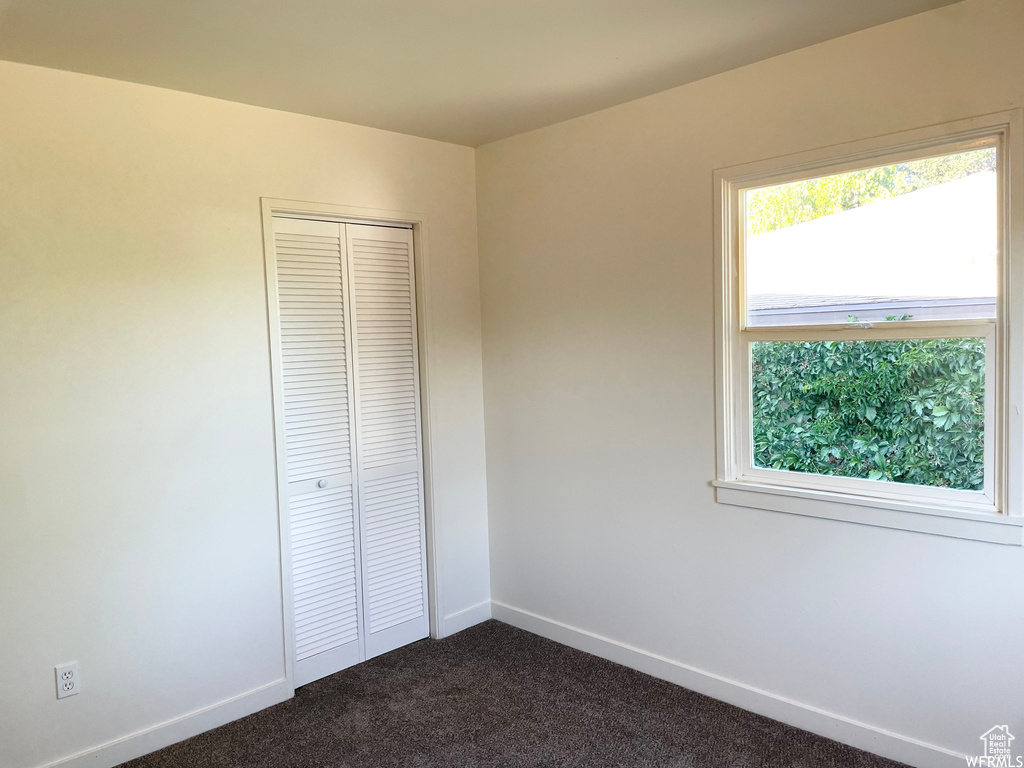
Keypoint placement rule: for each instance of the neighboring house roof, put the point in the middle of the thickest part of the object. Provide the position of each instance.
(794, 300)
(804, 309)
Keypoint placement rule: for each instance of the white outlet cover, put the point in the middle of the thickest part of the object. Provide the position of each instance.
(68, 681)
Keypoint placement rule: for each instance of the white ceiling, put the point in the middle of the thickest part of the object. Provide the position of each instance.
(464, 71)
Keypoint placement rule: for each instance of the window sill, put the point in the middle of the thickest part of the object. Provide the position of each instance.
(863, 510)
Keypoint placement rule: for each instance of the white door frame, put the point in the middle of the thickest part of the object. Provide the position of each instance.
(271, 207)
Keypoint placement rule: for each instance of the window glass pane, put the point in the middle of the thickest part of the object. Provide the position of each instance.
(915, 240)
(902, 411)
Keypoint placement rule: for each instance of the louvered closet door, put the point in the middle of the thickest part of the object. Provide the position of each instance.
(316, 382)
(390, 468)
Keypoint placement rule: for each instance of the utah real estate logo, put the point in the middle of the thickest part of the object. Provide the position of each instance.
(998, 750)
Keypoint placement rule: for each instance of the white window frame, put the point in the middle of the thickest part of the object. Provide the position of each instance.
(993, 515)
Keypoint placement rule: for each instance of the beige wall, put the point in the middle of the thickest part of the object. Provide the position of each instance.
(596, 273)
(137, 485)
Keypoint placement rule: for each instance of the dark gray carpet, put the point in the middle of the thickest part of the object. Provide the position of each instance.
(497, 696)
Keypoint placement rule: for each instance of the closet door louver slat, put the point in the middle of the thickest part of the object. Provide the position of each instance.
(389, 454)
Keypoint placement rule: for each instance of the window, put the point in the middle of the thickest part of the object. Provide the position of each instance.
(866, 300)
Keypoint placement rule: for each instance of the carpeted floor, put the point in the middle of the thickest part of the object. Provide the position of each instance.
(496, 696)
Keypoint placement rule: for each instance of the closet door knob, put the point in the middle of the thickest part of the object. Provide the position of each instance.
(322, 484)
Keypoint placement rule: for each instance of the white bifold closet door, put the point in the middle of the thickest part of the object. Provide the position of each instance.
(349, 388)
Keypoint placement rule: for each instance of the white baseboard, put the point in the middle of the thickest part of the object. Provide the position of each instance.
(163, 735)
(833, 726)
(867, 737)
(466, 618)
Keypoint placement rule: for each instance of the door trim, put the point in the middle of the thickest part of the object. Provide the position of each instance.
(270, 207)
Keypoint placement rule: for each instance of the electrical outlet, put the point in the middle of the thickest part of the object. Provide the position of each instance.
(68, 682)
